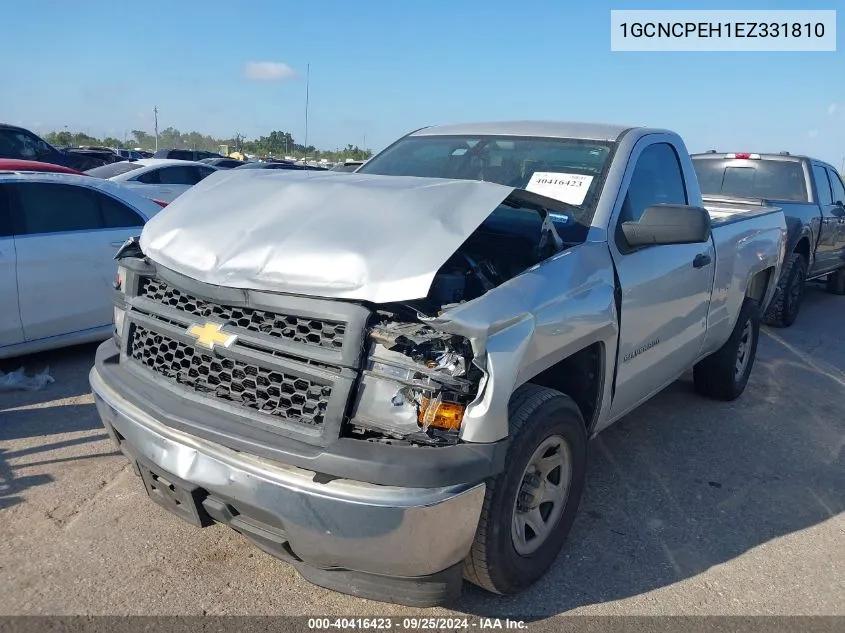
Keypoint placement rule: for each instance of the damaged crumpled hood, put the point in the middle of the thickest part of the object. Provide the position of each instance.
(325, 234)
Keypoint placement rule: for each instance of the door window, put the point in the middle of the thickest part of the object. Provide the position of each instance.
(822, 186)
(40, 208)
(17, 144)
(657, 179)
(117, 215)
(149, 178)
(5, 213)
(178, 175)
(53, 208)
(837, 187)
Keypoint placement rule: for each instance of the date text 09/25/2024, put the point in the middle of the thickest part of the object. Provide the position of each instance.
(411, 623)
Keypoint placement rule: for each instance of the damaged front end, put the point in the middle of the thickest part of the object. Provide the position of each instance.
(416, 384)
(418, 380)
(309, 249)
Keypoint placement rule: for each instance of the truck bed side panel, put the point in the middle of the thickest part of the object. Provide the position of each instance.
(744, 247)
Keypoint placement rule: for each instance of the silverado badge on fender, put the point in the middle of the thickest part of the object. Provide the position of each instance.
(640, 350)
(209, 335)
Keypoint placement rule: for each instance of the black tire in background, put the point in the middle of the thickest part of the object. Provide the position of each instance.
(836, 282)
(784, 309)
(542, 422)
(724, 374)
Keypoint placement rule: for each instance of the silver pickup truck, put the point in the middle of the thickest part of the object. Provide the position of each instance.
(389, 378)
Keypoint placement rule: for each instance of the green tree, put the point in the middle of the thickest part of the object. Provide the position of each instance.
(142, 139)
(59, 139)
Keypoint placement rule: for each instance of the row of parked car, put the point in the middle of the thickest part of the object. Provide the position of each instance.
(62, 227)
(20, 143)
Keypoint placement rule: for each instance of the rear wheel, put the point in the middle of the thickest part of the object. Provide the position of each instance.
(529, 507)
(836, 282)
(784, 309)
(724, 374)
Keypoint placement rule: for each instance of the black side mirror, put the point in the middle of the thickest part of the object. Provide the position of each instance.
(838, 210)
(662, 224)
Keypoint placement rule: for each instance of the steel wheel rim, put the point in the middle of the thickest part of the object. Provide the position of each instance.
(743, 353)
(542, 495)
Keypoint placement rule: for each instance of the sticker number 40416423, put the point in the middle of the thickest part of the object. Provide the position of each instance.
(571, 188)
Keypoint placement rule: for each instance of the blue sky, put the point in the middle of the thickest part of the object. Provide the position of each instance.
(380, 69)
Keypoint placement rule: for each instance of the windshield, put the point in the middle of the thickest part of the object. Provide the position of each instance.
(752, 178)
(569, 170)
(112, 169)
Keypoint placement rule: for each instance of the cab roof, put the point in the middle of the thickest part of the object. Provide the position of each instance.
(546, 129)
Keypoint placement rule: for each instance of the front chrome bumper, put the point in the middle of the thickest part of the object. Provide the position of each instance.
(338, 524)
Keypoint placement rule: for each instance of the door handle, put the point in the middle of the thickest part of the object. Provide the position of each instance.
(701, 260)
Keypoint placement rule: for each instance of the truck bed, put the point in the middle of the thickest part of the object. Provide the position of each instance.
(725, 209)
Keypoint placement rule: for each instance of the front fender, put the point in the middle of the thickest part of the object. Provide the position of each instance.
(531, 322)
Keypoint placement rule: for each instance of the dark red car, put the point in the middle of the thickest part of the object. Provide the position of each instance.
(14, 164)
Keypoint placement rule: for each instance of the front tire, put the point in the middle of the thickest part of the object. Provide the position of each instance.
(784, 310)
(529, 508)
(724, 374)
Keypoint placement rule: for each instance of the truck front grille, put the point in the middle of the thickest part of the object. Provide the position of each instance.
(288, 367)
(319, 332)
(271, 391)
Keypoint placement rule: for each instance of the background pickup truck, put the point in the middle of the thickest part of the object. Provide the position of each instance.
(20, 143)
(389, 378)
(812, 197)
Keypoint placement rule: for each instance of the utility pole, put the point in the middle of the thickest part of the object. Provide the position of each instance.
(155, 113)
(307, 84)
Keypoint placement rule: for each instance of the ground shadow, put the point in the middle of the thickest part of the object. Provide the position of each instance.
(38, 414)
(68, 366)
(41, 421)
(35, 422)
(683, 483)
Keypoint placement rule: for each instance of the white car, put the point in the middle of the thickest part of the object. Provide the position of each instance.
(59, 234)
(162, 179)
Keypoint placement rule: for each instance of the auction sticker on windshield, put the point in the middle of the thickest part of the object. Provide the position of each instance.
(570, 188)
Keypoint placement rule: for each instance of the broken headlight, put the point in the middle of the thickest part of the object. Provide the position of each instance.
(119, 305)
(416, 385)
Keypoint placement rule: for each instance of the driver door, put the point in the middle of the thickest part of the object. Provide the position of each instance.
(665, 288)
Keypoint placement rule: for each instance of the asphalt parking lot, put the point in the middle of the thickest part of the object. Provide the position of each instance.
(691, 507)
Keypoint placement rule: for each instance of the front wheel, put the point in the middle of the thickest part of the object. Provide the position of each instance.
(724, 374)
(529, 507)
